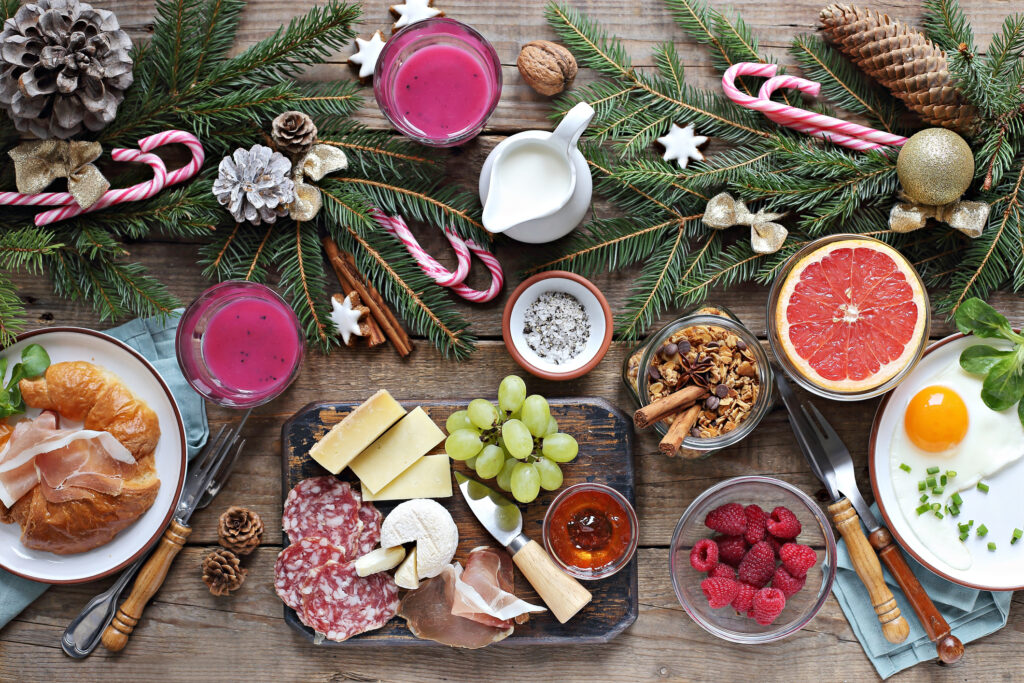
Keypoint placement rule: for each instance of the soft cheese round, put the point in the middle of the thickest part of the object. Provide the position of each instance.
(428, 524)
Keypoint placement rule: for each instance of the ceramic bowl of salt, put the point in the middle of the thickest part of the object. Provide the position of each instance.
(557, 325)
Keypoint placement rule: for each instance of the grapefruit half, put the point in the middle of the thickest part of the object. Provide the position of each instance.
(851, 315)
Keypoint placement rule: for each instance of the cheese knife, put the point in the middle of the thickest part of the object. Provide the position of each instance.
(502, 518)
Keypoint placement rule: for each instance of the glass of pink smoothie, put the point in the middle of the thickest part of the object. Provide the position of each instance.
(239, 344)
(438, 81)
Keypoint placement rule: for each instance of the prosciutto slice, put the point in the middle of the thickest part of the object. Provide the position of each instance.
(75, 459)
(483, 591)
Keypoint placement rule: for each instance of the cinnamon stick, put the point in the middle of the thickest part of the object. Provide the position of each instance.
(678, 430)
(668, 405)
(350, 279)
(373, 336)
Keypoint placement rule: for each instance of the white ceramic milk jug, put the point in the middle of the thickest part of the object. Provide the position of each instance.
(536, 186)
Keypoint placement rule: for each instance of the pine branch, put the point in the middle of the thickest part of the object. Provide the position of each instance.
(26, 248)
(299, 255)
(13, 318)
(380, 155)
(609, 244)
(946, 26)
(217, 27)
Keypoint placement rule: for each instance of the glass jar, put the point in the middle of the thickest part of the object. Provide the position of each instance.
(637, 363)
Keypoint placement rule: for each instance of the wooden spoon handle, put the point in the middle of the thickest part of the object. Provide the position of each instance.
(949, 647)
(563, 594)
(865, 562)
(150, 578)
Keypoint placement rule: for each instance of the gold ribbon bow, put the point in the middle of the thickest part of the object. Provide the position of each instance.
(766, 236)
(970, 218)
(39, 162)
(318, 162)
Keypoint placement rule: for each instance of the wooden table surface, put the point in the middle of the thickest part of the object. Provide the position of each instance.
(188, 634)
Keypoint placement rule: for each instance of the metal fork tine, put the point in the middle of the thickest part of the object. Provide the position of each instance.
(830, 434)
(812, 423)
(217, 481)
(208, 450)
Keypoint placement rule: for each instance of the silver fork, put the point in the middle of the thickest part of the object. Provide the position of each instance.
(84, 632)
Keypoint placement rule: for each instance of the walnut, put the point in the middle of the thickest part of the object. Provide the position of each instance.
(546, 67)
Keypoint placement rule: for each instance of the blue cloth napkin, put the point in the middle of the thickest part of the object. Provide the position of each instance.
(154, 339)
(971, 614)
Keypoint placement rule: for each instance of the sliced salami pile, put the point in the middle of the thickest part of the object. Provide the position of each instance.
(330, 527)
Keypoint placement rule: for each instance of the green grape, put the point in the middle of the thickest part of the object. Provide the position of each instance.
(511, 393)
(490, 461)
(463, 444)
(504, 478)
(482, 413)
(535, 414)
(516, 438)
(560, 447)
(458, 420)
(552, 426)
(471, 463)
(550, 474)
(525, 482)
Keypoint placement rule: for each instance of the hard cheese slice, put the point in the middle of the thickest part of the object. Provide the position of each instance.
(428, 477)
(359, 429)
(393, 453)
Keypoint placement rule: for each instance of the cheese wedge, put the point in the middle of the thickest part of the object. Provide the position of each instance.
(428, 477)
(379, 560)
(359, 429)
(407, 576)
(399, 447)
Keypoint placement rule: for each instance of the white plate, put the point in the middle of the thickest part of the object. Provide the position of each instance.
(1001, 510)
(69, 344)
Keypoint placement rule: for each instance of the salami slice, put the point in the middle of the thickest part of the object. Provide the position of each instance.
(324, 506)
(339, 604)
(295, 561)
(369, 537)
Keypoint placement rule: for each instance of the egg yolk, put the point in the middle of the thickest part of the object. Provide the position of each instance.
(936, 419)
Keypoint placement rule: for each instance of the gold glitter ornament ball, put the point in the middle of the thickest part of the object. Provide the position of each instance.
(935, 166)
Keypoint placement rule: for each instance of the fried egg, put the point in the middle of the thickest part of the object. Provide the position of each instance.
(946, 425)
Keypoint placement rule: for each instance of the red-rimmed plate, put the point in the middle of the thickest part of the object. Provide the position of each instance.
(1001, 510)
(71, 344)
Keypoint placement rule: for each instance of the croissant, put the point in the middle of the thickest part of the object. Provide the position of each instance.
(85, 392)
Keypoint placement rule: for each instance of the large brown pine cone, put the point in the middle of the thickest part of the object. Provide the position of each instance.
(222, 572)
(240, 530)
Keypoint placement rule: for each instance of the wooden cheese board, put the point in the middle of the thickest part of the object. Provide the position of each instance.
(605, 436)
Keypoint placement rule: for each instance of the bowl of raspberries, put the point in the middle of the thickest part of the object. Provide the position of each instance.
(753, 559)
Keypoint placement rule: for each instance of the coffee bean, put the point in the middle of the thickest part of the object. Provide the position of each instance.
(684, 346)
(653, 373)
(741, 345)
(721, 391)
(711, 403)
(669, 350)
(695, 432)
(711, 345)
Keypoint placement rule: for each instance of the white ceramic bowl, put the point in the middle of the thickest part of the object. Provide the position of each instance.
(70, 344)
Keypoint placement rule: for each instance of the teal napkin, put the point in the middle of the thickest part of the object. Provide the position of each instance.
(971, 614)
(154, 339)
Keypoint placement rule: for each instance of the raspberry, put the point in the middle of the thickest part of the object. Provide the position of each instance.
(787, 583)
(768, 605)
(758, 565)
(783, 524)
(775, 544)
(704, 555)
(728, 519)
(744, 599)
(757, 522)
(722, 571)
(731, 549)
(797, 559)
(719, 592)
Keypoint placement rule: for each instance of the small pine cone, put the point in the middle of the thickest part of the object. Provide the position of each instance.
(901, 59)
(240, 530)
(294, 132)
(222, 572)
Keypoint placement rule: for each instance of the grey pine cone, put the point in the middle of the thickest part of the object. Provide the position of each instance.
(64, 66)
(255, 184)
(294, 132)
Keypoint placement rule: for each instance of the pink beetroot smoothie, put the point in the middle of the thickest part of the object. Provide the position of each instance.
(442, 90)
(251, 345)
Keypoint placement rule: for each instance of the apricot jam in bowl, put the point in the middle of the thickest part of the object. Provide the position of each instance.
(591, 531)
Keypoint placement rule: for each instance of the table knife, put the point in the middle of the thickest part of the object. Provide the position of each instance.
(502, 518)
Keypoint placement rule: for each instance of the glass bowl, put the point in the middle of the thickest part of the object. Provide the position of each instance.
(793, 371)
(816, 532)
(719, 316)
(610, 568)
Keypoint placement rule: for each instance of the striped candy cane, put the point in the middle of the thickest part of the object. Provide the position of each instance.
(396, 226)
(838, 131)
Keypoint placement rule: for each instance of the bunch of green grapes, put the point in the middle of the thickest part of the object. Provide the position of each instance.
(518, 441)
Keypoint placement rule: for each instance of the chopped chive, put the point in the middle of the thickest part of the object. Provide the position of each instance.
(954, 510)
(1017, 533)
(939, 514)
(936, 506)
(957, 499)
(983, 487)
(963, 527)
(970, 522)
(942, 480)
(937, 491)
(924, 497)
(905, 467)
(932, 470)
(921, 485)
(930, 482)
(963, 535)
(982, 530)
(921, 509)
(991, 546)
(950, 473)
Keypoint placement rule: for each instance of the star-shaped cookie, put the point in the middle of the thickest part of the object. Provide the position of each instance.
(346, 315)
(367, 54)
(681, 144)
(411, 11)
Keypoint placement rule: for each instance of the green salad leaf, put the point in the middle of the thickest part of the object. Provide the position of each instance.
(1003, 369)
(34, 361)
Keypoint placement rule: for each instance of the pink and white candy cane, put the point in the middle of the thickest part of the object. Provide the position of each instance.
(161, 179)
(396, 226)
(840, 132)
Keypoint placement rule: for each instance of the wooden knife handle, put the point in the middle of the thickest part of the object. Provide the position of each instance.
(563, 594)
(865, 562)
(949, 647)
(147, 583)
